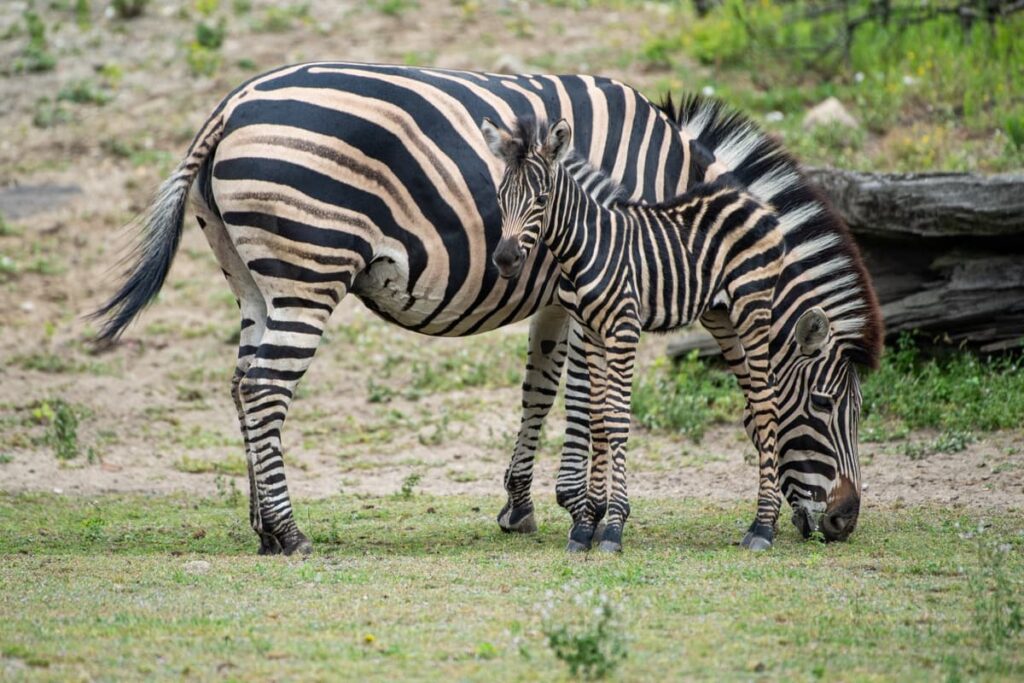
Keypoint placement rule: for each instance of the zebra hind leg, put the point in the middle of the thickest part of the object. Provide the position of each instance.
(547, 350)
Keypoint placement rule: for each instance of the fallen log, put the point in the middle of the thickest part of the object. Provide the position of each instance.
(945, 252)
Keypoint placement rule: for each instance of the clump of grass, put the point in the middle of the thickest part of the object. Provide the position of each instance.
(951, 441)
(586, 634)
(278, 19)
(203, 55)
(36, 56)
(229, 466)
(956, 392)
(996, 591)
(409, 485)
(62, 422)
(84, 91)
(50, 113)
(686, 397)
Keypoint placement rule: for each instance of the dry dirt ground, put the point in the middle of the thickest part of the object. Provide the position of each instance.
(380, 404)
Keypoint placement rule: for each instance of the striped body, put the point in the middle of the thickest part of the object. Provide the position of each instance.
(317, 180)
(630, 267)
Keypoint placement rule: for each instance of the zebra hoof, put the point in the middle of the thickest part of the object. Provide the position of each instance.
(517, 520)
(269, 545)
(580, 538)
(574, 547)
(611, 539)
(758, 537)
(297, 544)
(610, 547)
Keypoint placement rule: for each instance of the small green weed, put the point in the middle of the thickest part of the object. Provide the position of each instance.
(49, 113)
(394, 8)
(409, 485)
(36, 55)
(62, 422)
(5, 458)
(277, 19)
(586, 635)
(84, 91)
(228, 466)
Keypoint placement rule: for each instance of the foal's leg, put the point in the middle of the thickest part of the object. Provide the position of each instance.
(547, 351)
(620, 354)
(571, 489)
(754, 332)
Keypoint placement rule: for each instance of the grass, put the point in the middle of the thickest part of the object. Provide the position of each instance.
(427, 587)
(936, 97)
(958, 393)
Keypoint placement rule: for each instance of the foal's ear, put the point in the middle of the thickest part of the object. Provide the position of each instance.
(558, 144)
(812, 331)
(498, 139)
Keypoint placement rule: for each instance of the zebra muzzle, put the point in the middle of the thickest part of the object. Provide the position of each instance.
(508, 258)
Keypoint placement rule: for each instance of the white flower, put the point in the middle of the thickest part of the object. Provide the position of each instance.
(909, 80)
(708, 90)
(858, 77)
(774, 116)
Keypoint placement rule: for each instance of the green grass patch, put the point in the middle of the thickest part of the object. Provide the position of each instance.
(155, 587)
(959, 393)
(231, 466)
(687, 396)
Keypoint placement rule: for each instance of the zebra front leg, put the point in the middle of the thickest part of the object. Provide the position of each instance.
(620, 354)
(547, 351)
(571, 488)
(754, 334)
(591, 509)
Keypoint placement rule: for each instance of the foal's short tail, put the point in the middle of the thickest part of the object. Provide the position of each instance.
(160, 228)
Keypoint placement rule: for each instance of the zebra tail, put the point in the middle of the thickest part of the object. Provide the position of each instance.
(160, 228)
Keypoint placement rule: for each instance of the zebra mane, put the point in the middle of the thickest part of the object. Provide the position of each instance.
(528, 133)
(817, 239)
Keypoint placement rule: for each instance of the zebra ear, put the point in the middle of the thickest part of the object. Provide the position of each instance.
(812, 331)
(556, 148)
(498, 139)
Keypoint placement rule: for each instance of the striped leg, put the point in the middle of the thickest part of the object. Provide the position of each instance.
(586, 516)
(571, 489)
(540, 387)
(620, 354)
(254, 319)
(754, 332)
(718, 324)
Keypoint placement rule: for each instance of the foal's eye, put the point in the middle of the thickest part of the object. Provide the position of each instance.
(821, 402)
(541, 201)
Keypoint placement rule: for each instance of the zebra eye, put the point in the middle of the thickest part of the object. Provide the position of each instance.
(541, 201)
(821, 402)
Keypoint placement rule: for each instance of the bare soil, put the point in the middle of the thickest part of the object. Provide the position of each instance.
(379, 404)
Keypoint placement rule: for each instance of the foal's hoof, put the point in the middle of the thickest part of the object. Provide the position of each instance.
(758, 537)
(300, 546)
(518, 520)
(580, 538)
(611, 539)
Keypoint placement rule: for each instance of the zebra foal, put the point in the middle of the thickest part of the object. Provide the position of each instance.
(723, 247)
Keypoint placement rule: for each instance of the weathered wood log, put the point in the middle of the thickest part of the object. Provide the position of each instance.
(945, 252)
(892, 205)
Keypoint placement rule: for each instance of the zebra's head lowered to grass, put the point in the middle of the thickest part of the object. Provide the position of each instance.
(530, 153)
(825, 316)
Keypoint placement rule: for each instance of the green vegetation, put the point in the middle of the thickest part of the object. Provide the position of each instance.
(112, 587)
(938, 95)
(583, 630)
(61, 420)
(36, 56)
(959, 393)
(685, 397)
(230, 465)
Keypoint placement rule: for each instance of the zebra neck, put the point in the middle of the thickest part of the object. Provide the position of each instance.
(589, 241)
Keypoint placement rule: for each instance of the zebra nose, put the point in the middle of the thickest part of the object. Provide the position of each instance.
(839, 522)
(508, 258)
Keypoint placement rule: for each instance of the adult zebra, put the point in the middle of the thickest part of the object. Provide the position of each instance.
(319, 179)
